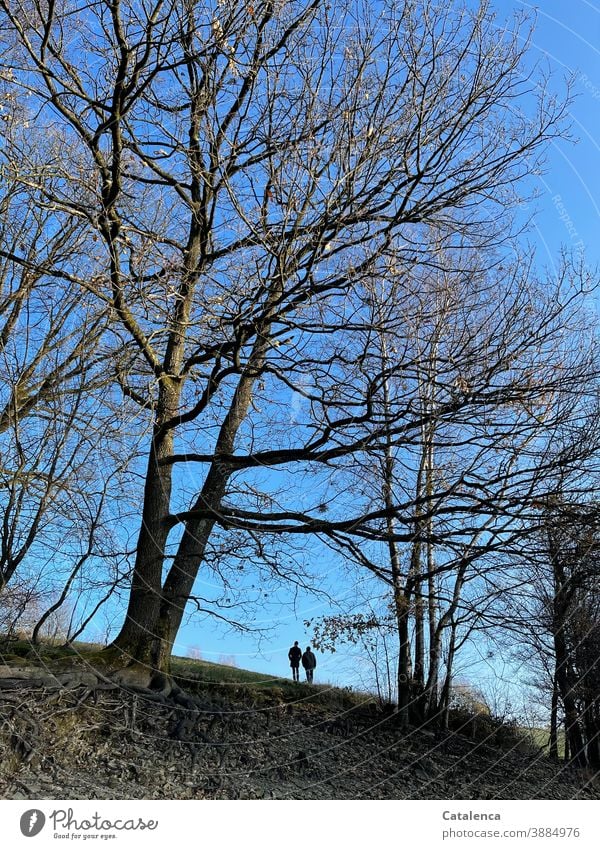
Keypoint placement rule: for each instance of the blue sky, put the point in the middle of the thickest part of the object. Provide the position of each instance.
(568, 213)
(566, 38)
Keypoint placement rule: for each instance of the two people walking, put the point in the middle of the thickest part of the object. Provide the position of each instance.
(308, 660)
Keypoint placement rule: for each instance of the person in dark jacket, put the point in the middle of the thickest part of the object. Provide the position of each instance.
(295, 655)
(309, 662)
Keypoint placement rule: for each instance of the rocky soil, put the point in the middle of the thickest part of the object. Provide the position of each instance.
(80, 743)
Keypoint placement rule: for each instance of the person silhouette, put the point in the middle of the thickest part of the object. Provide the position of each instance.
(295, 655)
(309, 662)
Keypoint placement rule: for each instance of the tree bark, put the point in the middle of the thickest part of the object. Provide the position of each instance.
(553, 750)
(138, 636)
(182, 575)
(566, 680)
(445, 696)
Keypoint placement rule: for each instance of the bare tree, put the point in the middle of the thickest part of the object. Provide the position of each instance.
(557, 606)
(461, 485)
(238, 173)
(51, 360)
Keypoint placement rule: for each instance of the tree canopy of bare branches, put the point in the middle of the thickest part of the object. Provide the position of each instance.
(237, 177)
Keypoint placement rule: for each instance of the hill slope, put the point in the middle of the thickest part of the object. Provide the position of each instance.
(254, 737)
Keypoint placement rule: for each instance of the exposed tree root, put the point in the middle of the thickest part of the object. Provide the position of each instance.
(85, 684)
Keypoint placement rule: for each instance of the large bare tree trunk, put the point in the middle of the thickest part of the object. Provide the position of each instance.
(432, 685)
(182, 575)
(416, 583)
(553, 749)
(405, 672)
(565, 677)
(137, 637)
(445, 696)
(435, 637)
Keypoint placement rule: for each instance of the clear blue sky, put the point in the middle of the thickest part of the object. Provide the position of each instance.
(565, 39)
